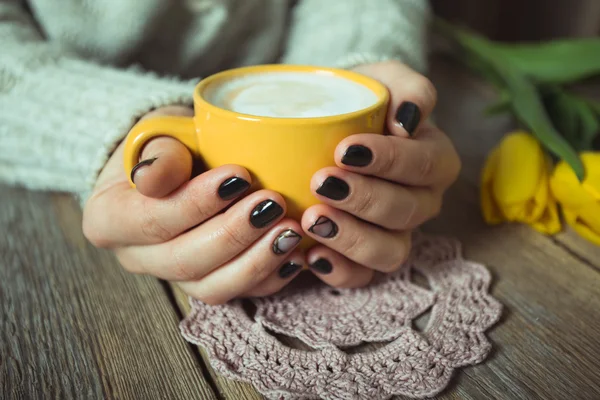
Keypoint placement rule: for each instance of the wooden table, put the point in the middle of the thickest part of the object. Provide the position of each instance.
(75, 325)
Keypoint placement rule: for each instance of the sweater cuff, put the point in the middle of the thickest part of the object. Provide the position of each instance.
(417, 62)
(60, 122)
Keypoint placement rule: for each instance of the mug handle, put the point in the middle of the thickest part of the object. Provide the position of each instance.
(179, 128)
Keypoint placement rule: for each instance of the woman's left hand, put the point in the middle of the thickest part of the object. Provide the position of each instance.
(383, 186)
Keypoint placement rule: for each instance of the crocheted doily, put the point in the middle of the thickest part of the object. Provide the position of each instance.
(400, 360)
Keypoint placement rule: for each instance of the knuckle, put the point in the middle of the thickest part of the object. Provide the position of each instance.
(128, 264)
(408, 212)
(427, 164)
(430, 89)
(153, 229)
(90, 227)
(183, 270)
(396, 257)
(256, 271)
(364, 203)
(199, 211)
(232, 238)
(352, 244)
(455, 167)
(436, 208)
(387, 163)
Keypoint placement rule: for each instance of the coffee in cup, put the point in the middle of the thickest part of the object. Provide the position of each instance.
(290, 95)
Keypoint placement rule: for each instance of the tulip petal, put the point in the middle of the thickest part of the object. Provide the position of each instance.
(489, 208)
(581, 228)
(549, 222)
(518, 172)
(567, 189)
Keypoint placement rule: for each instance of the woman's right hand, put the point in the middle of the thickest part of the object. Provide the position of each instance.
(176, 229)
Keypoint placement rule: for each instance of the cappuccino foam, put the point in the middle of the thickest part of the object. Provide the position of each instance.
(290, 95)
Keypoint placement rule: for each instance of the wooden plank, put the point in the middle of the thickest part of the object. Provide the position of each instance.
(546, 346)
(228, 389)
(73, 323)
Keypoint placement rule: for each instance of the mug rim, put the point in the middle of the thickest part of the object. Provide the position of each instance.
(375, 86)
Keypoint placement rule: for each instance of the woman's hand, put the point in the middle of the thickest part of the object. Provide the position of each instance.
(174, 227)
(382, 187)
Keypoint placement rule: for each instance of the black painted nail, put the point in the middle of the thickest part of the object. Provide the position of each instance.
(264, 213)
(232, 188)
(334, 188)
(357, 156)
(408, 116)
(139, 165)
(286, 241)
(324, 227)
(322, 266)
(288, 269)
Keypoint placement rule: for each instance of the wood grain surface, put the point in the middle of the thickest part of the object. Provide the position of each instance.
(74, 325)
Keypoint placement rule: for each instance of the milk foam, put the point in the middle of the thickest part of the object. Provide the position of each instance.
(291, 95)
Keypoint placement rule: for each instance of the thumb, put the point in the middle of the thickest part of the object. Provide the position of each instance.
(165, 163)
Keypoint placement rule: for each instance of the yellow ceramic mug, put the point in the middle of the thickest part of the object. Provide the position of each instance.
(281, 154)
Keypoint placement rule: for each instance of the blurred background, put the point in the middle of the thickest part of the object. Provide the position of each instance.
(510, 20)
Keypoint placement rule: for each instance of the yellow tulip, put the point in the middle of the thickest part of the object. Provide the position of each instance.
(580, 201)
(515, 185)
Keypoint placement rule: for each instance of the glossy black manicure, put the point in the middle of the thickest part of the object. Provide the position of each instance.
(322, 266)
(139, 165)
(264, 213)
(286, 241)
(334, 188)
(232, 188)
(324, 227)
(357, 156)
(288, 269)
(408, 115)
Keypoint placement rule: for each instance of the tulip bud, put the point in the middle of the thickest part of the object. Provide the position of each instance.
(515, 185)
(580, 201)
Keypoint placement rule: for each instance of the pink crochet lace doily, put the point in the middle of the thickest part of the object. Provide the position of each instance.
(255, 347)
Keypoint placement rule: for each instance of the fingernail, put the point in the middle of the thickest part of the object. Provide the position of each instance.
(286, 241)
(357, 156)
(288, 269)
(264, 213)
(322, 266)
(324, 227)
(408, 116)
(334, 188)
(232, 188)
(139, 165)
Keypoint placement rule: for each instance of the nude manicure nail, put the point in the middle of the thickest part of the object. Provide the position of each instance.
(324, 227)
(286, 241)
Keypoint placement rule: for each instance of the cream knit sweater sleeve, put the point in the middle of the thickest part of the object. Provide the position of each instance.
(365, 31)
(61, 116)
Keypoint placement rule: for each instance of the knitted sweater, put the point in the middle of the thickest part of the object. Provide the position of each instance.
(75, 75)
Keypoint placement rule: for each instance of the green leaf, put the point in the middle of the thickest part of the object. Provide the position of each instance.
(573, 117)
(529, 108)
(555, 62)
(558, 61)
(526, 102)
(590, 126)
